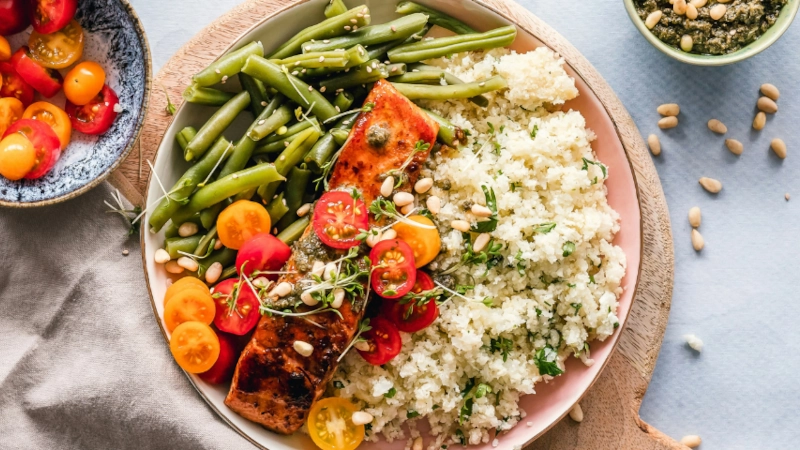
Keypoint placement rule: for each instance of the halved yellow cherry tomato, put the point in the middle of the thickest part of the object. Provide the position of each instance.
(11, 110)
(425, 242)
(83, 82)
(182, 284)
(5, 49)
(330, 425)
(54, 116)
(194, 346)
(240, 221)
(17, 156)
(189, 305)
(58, 50)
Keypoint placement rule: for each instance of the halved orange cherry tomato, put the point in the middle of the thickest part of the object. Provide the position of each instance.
(97, 116)
(5, 49)
(11, 110)
(425, 242)
(339, 218)
(384, 342)
(17, 156)
(13, 85)
(393, 270)
(45, 142)
(189, 305)
(195, 347)
(83, 82)
(183, 283)
(58, 50)
(240, 221)
(331, 427)
(49, 16)
(46, 81)
(54, 116)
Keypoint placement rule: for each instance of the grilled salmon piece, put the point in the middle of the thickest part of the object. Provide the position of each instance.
(274, 385)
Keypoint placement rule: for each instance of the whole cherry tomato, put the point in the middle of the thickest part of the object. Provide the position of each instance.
(49, 16)
(15, 16)
(263, 252)
(83, 82)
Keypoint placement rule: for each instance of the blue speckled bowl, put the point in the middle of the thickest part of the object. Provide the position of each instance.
(116, 40)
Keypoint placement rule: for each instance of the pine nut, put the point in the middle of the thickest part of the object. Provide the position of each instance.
(770, 91)
(760, 121)
(679, 7)
(481, 211)
(361, 418)
(283, 289)
(402, 199)
(387, 187)
(330, 271)
(417, 444)
(669, 109)
(303, 348)
(691, 12)
(213, 273)
(691, 441)
(697, 240)
(711, 185)
(308, 299)
(318, 268)
(787, 196)
(734, 146)
(373, 239)
(406, 210)
(362, 345)
(388, 235)
(173, 267)
(424, 185)
(699, 3)
(767, 105)
(261, 282)
(460, 225)
(187, 229)
(654, 144)
(717, 11)
(161, 256)
(303, 210)
(188, 263)
(652, 19)
(338, 298)
(695, 217)
(434, 204)
(687, 43)
(481, 241)
(576, 413)
(668, 122)
(779, 147)
(717, 127)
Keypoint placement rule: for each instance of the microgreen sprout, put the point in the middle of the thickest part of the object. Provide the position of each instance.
(290, 77)
(602, 166)
(124, 212)
(384, 208)
(219, 161)
(400, 174)
(170, 108)
(366, 108)
(363, 327)
(303, 116)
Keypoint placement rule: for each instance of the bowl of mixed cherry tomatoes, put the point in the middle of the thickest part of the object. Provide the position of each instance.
(74, 83)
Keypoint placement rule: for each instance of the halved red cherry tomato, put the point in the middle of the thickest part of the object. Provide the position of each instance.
(393, 271)
(13, 85)
(339, 219)
(416, 314)
(383, 340)
(222, 370)
(15, 16)
(49, 16)
(58, 50)
(263, 252)
(95, 117)
(238, 318)
(44, 140)
(47, 81)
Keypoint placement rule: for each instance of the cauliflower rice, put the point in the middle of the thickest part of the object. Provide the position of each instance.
(550, 290)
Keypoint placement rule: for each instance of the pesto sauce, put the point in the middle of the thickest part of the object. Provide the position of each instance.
(743, 23)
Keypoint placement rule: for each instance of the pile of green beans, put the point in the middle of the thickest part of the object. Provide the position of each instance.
(302, 99)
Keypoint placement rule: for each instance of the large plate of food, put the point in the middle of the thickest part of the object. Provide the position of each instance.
(378, 225)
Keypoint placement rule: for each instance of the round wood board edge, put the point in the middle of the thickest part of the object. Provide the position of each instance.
(611, 406)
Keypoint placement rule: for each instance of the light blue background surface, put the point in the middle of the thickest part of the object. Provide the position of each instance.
(740, 294)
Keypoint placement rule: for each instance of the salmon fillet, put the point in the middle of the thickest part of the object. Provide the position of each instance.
(273, 385)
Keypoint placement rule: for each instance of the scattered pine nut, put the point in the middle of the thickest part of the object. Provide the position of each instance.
(687, 43)
(481, 211)
(389, 234)
(654, 144)
(669, 109)
(217, 245)
(691, 12)
(787, 196)
(697, 240)
(338, 298)
(187, 229)
(779, 147)
(717, 127)
(330, 271)
(679, 6)
(699, 3)
(434, 204)
(767, 105)
(481, 241)
(691, 441)
(694, 342)
(771, 91)
(125, 252)
(188, 263)
(362, 345)
(214, 272)
(424, 185)
(695, 217)
(406, 210)
(711, 185)
(373, 239)
(576, 413)
(261, 282)
(460, 225)
(760, 121)
(173, 267)
(303, 210)
(161, 256)
(717, 11)
(318, 268)
(387, 187)
(308, 299)
(653, 19)
(303, 348)
(361, 418)
(734, 146)
(403, 198)
(668, 122)
(283, 289)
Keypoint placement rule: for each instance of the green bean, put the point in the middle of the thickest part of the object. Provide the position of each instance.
(451, 80)
(335, 8)
(271, 124)
(327, 29)
(436, 48)
(396, 69)
(182, 244)
(257, 91)
(419, 35)
(296, 183)
(343, 101)
(316, 60)
(172, 229)
(379, 51)
(200, 95)
(377, 34)
(275, 143)
(187, 184)
(290, 157)
(244, 148)
(369, 72)
(340, 136)
(206, 242)
(245, 195)
(208, 216)
(185, 135)
(227, 65)
(294, 231)
(326, 146)
(448, 133)
(357, 55)
(215, 126)
(466, 90)
(229, 272)
(289, 85)
(224, 256)
(431, 77)
(435, 17)
(277, 208)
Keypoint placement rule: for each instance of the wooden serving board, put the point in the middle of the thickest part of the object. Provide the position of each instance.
(611, 407)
